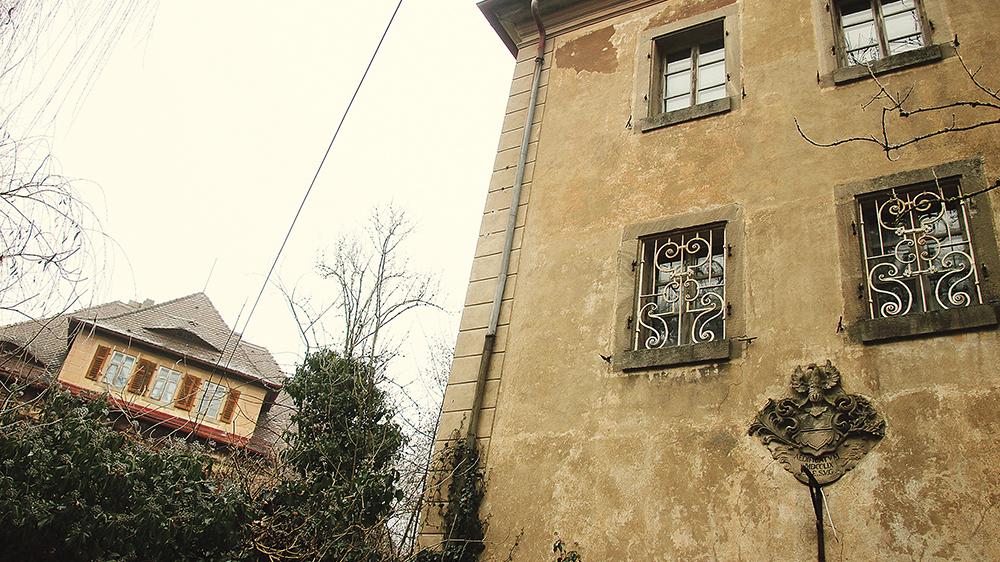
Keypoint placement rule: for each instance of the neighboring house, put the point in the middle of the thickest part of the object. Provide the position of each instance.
(678, 249)
(175, 367)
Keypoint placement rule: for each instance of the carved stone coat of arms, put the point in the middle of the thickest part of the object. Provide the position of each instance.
(819, 426)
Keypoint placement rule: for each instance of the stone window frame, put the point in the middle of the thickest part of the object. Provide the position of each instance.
(984, 243)
(623, 357)
(648, 63)
(841, 73)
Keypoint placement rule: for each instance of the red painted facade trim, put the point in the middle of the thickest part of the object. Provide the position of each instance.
(164, 418)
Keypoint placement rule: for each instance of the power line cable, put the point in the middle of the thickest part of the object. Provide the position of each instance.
(298, 212)
(312, 183)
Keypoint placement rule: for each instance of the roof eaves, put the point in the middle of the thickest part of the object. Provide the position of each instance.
(271, 384)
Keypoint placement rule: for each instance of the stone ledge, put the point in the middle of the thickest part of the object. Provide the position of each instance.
(673, 356)
(923, 55)
(687, 114)
(941, 321)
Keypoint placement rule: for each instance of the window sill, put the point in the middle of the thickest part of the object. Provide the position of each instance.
(968, 318)
(916, 57)
(673, 356)
(713, 107)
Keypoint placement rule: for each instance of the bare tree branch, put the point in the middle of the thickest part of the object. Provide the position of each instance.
(965, 112)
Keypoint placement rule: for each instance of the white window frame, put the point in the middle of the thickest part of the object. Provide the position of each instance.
(211, 408)
(165, 385)
(882, 40)
(115, 371)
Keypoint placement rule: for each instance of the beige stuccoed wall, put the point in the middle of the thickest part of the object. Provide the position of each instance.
(658, 465)
(82, 352)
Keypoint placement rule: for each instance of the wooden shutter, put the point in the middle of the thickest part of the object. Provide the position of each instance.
(143, 374)
(95, 365)
(188, 392)
(229, 408)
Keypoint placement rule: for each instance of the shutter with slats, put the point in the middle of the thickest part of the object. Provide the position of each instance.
(140, 379)
(95, 365)
(229, 408)
(188, 392)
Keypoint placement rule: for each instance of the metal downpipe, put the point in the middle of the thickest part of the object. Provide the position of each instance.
(491, 331)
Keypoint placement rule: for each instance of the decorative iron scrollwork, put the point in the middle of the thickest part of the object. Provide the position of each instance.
(918, 250)
(819, 426)
(682, 289)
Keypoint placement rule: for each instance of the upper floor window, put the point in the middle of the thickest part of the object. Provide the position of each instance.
(682, 288)
(689, 69)
(918, 250)
(876, 29)
(165, 385)
(119, 369)
(211, 400)
(692, 67)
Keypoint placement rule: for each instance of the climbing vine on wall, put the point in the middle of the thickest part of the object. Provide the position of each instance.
(461, 492)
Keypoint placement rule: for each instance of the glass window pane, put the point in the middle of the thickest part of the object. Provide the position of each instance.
(863, 56)
(856, 12)
(673, 104)
(901, 25)
(711, 75)
(712, 52)
(678, 84)
(896, 6)
(906, 44)
(211, 400)
(158, 385)
(860, 36)
(710, 94)
(165, 385)
(678, 61)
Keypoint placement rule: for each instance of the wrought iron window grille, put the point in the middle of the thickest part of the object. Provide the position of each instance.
(917, 249)
(681, 296)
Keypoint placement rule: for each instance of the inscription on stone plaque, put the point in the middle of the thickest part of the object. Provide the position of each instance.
(820, 426)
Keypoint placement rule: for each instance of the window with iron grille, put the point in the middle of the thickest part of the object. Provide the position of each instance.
(918, 251)
(875, 29)
(681, 297)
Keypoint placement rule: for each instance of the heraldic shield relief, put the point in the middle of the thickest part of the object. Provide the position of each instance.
(820, 426)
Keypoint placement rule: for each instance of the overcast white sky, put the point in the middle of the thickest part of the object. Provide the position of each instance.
(202, 130)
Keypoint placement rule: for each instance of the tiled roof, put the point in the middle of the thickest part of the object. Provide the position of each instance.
(47, 339)
(190, 326)
(274, 421)
(193, 327)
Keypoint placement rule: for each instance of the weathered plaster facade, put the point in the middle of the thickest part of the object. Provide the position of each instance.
(656, 464)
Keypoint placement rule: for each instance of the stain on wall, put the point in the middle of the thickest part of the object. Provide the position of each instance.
(593, 52)
(686, 10)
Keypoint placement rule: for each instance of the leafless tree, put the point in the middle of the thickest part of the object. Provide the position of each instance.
(50, 238)
(373, 286)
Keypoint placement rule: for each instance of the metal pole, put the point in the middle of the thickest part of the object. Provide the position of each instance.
(491, 330)
(817, 500)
